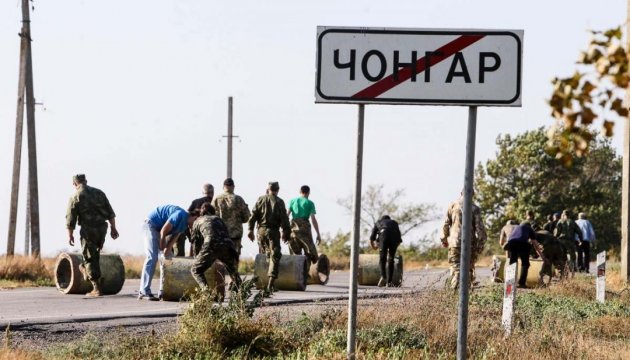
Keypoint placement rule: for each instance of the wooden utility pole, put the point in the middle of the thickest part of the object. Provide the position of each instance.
(625, 183)
(17, 150)
(25, 91)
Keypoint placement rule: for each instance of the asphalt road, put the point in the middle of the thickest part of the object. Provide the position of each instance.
(37, 306)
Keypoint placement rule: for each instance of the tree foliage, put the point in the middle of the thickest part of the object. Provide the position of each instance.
(375, 202)
(595, 90)
(524, 177)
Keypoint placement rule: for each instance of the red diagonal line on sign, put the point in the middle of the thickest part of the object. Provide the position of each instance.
(405, 73)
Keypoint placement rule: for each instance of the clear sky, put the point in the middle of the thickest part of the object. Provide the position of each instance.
(135, 96)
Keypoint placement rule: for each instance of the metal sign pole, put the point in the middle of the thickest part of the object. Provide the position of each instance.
(601, 277)
(464, 264)
(229, 136)
(356, 232)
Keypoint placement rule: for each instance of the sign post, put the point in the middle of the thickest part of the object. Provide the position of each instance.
(509, 293)
(601, 277)
(418, 67)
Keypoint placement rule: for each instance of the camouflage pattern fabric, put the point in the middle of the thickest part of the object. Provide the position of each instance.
(179, 248)
(566, 231)
(91, 209)
(233, 210)
(270, 214)
(302, 239)
(452, 234)
(216, 246)
(554, 253)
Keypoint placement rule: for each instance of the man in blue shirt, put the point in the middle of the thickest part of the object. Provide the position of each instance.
(584, 248)
(162, 228)
(518, 246)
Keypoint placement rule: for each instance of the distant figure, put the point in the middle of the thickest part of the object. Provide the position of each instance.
(584, 249)
(303, 209)
(212, 232)
(270, 214)
(552, 221)
(234, 212)
(530, 218)
(554, 254)
(567, 232)
(387, 233)
(90, 207)
(519, 248)
(506, 230)
(180, 246)
(162, 228)
(452, 237)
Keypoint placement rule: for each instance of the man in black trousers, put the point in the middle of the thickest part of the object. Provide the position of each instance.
(387, 233)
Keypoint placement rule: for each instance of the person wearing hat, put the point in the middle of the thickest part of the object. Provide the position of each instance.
(452, 237)
(301, 239)
(570, 236)
(588, 236)
(234, 212)
(180, 246)
(270, 214)
(91, 209)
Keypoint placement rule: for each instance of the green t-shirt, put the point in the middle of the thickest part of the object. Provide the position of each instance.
(301, 207)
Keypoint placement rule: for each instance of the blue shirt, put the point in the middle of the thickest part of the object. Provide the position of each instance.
(522, 233)
(175, 215)
(588, 234)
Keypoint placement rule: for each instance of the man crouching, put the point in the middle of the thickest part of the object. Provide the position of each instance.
(217, 245)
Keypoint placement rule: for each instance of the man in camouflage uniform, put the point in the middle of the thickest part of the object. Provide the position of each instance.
(271, 214)
(217, 245)
(301, 239)
(553, 253)
(452, 237)
(90, 207)
(234, 212)
(567, 231)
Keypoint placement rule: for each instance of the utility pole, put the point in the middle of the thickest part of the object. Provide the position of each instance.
(229, 137)
(17, 150)
(625, 182)
(27, 228)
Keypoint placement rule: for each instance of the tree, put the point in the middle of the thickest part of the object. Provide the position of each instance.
(524, 177)
(595, 90)
(375, 203)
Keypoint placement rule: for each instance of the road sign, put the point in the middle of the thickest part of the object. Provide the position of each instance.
(601, 277)
(418, 66)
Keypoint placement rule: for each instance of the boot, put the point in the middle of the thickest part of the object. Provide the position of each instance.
(96, 292)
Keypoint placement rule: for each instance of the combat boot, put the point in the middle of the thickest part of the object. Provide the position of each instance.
(96, 292)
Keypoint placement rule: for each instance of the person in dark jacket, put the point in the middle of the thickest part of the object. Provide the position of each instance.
(519, 247)
(387, 233)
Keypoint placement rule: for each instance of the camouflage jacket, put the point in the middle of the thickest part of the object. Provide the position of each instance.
(233, 210)
(210, 228)
(89, 206)
(270, 212)
(567, 229)
(452, 228)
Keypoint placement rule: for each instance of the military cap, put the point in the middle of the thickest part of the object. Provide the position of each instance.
(228, 182)
(274, 186)
(78, 178)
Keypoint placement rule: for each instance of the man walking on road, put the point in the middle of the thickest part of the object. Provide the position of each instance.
(452, 237)
(387, 233)
(301, 239)
(588, 237)
(271, 214)
(90, 207)
(234, 212)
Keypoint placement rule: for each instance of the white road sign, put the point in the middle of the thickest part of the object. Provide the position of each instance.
(419, 66)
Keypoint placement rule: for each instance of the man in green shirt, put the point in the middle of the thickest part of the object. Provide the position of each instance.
(271, 214)
(301, 239)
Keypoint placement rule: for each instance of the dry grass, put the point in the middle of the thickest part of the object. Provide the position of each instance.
(17, 354)
(133, 266)
(21, 271)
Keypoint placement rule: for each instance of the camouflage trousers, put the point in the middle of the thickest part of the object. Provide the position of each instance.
(555, 255)
(269, 243)
(223, 251)
(179, 248)
(92, 240)
(571, 247)
(302, 239)
(454, 256)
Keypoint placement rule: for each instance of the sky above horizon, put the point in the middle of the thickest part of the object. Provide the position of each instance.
(135, 96)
